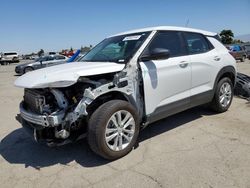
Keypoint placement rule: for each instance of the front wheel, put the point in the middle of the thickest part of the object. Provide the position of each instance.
(223, 95)
(28, 69)
(113, 129)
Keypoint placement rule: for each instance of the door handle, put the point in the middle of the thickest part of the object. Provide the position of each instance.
(183, 64)
(217, 58)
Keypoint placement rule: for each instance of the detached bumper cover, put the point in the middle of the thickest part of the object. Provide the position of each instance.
(52, 120)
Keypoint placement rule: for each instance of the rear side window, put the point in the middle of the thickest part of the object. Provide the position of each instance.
(196, 43)
(10, 53)
(170, 40)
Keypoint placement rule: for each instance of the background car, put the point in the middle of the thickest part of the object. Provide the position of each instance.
(237, 52)
(9, 57)
(40, 62)
(247, 50)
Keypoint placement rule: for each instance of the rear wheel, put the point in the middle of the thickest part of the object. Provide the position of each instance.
(223, 95)
(15, 59)
(113, 129)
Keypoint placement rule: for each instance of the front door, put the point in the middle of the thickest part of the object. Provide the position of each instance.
(167, 82)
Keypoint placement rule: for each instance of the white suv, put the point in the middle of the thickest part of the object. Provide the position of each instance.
(124, 83)
(9, 57)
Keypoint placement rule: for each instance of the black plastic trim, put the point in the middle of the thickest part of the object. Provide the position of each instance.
(179, 106)
(226, 69)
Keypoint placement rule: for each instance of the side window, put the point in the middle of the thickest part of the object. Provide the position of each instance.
(59, 57)
(170, 40)
(44, 58)
(196, 43)
(50, 58)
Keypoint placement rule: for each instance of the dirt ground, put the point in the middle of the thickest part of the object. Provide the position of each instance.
(195, 148)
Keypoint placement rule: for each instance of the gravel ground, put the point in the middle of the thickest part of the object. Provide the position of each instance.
(195, 148)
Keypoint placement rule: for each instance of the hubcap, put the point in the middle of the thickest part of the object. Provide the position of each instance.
(120, 130)
(225, 94)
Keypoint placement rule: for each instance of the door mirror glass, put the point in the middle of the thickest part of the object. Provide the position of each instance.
(156, 54)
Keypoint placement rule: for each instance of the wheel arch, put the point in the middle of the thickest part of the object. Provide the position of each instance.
(228, 71)
(28, 67)
(112, 95)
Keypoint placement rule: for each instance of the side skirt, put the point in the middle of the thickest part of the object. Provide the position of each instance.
(179, 106)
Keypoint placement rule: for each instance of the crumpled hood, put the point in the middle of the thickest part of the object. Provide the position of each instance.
(66, 74)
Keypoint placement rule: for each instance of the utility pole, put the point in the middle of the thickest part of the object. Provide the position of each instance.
(187, 22)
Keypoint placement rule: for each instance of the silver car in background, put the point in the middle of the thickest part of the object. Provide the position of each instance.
(41, 62)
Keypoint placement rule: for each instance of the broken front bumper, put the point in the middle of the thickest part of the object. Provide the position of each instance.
(52, 120)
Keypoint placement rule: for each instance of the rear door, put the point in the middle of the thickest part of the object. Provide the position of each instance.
(205, 63)
(166, 81)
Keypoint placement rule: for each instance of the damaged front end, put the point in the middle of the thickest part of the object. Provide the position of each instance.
(58, 116)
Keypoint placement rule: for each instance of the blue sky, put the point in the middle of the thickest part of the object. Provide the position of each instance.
(29, 25)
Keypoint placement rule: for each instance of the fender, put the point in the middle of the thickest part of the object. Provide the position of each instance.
(226, 70)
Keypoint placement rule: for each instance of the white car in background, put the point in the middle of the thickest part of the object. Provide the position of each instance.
(9, 57)
(126, 82)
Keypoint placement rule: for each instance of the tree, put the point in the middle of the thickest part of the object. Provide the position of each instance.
(85, 49)
(40, 53)
(226, 36)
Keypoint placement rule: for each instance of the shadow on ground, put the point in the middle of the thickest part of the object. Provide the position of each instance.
(18, 148)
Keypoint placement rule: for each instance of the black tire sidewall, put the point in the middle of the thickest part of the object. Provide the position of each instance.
(98, 122)
(219, 107)
(29, 69)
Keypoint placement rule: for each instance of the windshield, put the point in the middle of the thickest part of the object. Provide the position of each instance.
(40, 59)
(116, 49)
(44, 58)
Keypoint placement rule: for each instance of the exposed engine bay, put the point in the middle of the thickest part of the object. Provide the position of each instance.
(60, 115)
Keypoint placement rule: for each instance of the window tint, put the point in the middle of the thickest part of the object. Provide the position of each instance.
(11, 53)
(196, 43)
(169, 40)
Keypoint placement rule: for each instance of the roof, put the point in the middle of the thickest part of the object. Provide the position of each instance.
(168, 28)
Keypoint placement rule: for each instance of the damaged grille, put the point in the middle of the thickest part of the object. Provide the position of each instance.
(34, 101)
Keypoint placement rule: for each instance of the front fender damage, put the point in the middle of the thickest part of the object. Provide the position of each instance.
(90, 94)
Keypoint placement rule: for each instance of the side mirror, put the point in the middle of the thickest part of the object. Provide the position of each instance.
(156, 54)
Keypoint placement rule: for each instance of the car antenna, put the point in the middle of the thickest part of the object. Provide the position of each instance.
(187, 22)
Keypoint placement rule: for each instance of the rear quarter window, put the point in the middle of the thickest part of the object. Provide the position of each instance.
(197, 43)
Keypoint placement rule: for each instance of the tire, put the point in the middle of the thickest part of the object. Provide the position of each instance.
(223, 106)
(243, 59)
(28, 69)
(101, 120)
(15, 60)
